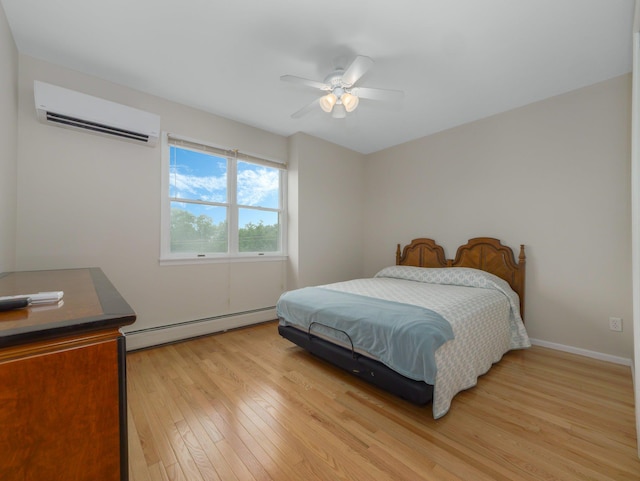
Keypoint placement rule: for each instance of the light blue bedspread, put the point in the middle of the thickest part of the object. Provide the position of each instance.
(401, 336)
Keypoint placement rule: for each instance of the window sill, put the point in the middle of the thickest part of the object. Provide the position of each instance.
(172, 261)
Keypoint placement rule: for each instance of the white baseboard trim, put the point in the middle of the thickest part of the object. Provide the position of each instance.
(583, 352)
(155, 336)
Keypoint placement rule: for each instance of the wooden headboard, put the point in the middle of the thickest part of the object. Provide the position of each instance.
(484, 253)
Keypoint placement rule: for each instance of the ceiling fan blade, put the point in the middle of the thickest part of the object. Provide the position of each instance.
(305, 110)
(378, 94)
(356, 70)
(305, 81)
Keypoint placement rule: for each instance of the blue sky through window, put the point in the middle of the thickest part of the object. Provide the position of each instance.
(202, 176)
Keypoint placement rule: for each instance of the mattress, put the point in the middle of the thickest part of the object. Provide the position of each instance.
(482, 310)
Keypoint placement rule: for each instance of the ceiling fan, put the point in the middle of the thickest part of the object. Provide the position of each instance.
(341, 94)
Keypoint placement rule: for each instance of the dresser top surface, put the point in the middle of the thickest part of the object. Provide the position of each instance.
(90, 302)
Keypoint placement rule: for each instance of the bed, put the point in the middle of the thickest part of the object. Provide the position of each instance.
(423, 329)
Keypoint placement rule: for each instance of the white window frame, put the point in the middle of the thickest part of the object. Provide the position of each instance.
(233, 255)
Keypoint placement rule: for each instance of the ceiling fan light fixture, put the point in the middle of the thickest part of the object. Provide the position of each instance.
(328, 101)
(349, 101)
(339, 112)
(340, 90)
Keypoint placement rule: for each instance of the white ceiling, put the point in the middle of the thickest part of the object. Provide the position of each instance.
(456, 60)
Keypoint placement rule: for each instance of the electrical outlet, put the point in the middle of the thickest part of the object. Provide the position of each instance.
(615, 324)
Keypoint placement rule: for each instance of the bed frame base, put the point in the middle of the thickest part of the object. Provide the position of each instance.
(374, 372)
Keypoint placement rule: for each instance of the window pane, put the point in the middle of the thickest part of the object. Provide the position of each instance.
(259, 231)
(258, 185)
(197, 228)
(197, 176)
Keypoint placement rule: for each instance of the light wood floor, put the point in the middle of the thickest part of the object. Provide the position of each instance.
(249, 405)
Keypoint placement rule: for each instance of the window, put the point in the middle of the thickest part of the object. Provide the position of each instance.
(220, 203)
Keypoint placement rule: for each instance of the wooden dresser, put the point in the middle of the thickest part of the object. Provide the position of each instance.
(63, 411)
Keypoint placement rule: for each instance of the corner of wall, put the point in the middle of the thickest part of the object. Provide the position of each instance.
(9, 67)
(292, 213)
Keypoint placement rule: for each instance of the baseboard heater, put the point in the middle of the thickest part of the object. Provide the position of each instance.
(180, 331)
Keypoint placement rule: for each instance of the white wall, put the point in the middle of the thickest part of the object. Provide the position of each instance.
(8, 144)
(553, 175)
(326, 198)
(635, 209)
(86, 200)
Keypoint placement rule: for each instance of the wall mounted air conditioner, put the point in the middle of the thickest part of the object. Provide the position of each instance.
(67, 108)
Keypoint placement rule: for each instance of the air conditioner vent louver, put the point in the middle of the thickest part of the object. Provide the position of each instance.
(75, 110)
(105, 129)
